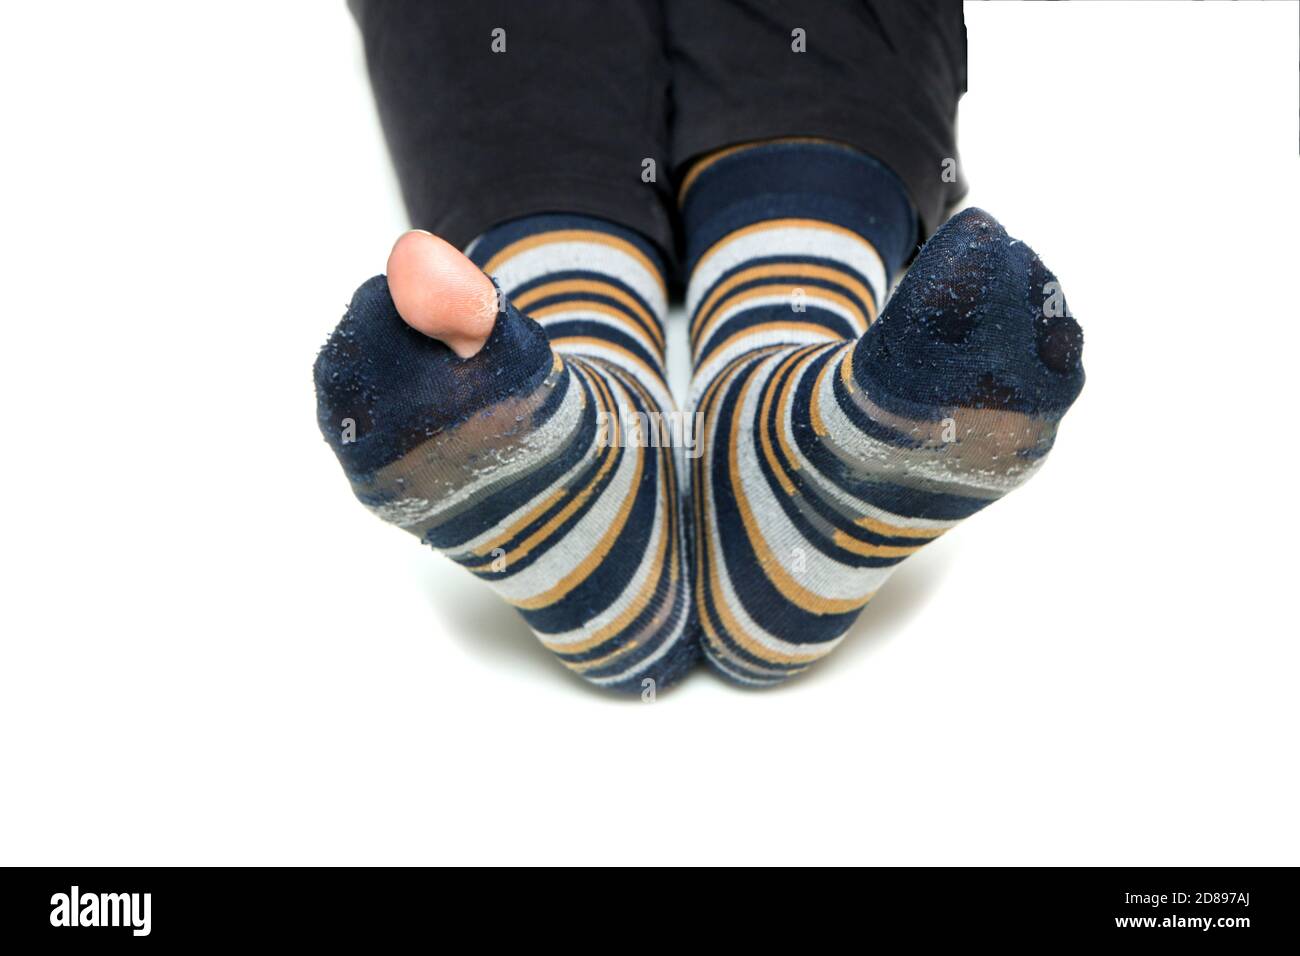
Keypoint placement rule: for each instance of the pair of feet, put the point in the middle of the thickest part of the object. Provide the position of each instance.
(537, 451)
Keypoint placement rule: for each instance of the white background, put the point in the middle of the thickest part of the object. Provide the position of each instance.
(211, 654)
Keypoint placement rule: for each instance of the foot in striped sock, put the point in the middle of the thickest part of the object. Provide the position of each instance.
(836, 444)
(508, 442)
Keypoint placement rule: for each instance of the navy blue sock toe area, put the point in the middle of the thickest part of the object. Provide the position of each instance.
(382, 387)
(978, 321)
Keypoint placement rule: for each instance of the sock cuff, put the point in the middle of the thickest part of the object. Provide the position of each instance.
(822, 181)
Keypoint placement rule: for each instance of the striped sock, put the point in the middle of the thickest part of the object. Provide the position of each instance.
(837, 445)
(518, 463)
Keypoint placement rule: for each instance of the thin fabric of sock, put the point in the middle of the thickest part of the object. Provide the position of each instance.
(530, 464)
(839, 439)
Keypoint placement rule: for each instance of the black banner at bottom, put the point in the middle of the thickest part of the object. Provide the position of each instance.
(384, 907)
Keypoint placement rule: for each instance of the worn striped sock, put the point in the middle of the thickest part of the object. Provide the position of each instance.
(837, 444)
(526, 463)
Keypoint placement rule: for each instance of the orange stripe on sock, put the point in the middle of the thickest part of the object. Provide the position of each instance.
(579, 286)
(712, 304)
